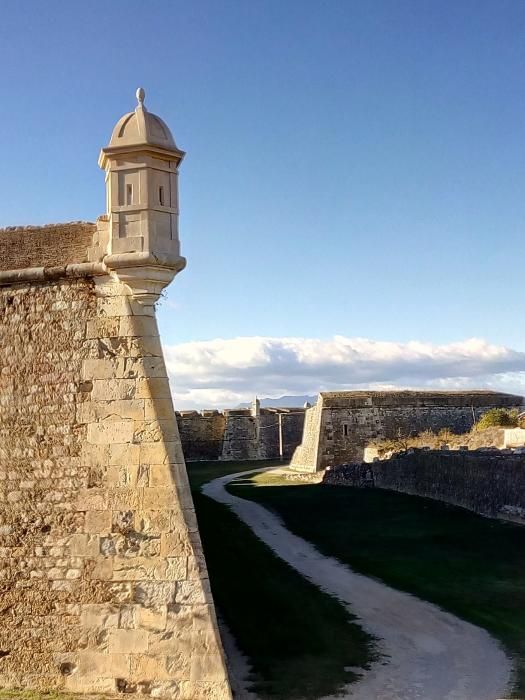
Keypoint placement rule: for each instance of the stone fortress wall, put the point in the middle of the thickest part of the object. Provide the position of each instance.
(48, 247)
(488, 482)
(240, 434)
(342, 423)
(103, 583)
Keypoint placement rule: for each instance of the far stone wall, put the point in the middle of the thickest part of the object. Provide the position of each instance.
(237, 434)
(342, 424)
(201, 434)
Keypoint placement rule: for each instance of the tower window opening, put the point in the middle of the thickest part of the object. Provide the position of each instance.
(129, 194)
(161, 196)
(345, 429)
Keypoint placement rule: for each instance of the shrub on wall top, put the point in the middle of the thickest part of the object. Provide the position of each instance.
(498, 418)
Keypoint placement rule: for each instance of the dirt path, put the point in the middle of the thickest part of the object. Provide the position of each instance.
(432, 655)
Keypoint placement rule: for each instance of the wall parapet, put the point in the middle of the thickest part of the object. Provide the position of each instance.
(48, 246)
(417, 399)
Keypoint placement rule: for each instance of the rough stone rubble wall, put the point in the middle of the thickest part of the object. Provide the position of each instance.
(46, 246)
(335, 434)
(103, 586)
(487, 483)
(473, 440)
(238, 435)
(377, 422)
(201, 435)
(41, 474)
(292, 428)
(240, 438)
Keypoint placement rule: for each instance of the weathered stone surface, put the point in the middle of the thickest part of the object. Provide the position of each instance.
(46, 246)
(92, 473)
(98, 553)
(488, 482)
(41, 328)
(342, 423)
(238, 434)
(128, 641)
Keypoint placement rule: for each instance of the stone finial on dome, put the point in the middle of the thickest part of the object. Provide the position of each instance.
(143, 128)
(141, 94)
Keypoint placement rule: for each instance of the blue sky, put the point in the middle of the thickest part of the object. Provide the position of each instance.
(354, 169)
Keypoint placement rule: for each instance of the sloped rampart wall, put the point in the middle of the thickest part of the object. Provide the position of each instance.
(103, 584)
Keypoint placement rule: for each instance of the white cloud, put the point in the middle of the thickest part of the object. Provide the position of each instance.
(221, 372)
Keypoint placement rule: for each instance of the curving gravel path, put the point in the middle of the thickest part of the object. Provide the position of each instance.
(432, 655)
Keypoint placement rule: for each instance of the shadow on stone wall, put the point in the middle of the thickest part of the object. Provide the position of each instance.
(488, 482)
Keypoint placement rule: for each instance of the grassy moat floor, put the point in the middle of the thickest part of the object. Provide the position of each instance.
(471, 566)
(298, 640)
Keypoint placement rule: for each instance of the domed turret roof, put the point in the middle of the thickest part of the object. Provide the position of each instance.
(141, 128)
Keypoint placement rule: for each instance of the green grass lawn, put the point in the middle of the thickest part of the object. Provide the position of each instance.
(298, 640)
(472, 566)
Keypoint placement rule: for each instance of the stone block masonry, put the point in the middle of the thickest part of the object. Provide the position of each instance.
(342, 423)
(239, 434)
(488, 482)
(103, 585)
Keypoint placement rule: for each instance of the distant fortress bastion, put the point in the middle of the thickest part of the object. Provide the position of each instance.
(337, 429)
